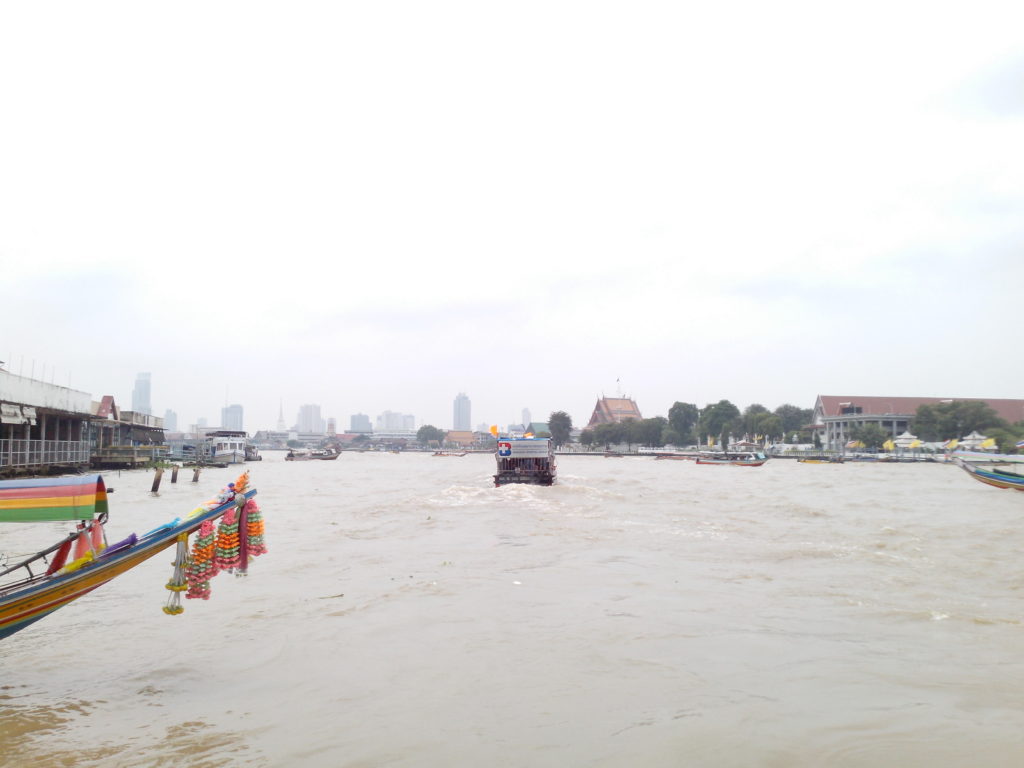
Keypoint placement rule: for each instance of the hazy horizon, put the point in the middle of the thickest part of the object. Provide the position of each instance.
(374, 208)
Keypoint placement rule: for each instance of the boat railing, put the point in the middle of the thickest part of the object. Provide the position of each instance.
(26, 564)
(29, 453)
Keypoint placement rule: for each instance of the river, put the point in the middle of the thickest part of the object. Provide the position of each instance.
(639, 613)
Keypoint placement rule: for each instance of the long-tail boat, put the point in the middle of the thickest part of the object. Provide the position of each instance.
(50, 579)
(733, 458)
(1000, 478)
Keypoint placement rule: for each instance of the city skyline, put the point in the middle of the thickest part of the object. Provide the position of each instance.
(762, 213)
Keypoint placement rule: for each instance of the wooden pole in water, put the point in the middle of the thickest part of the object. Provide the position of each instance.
(174, 474)
(156, 480)
(195, 476)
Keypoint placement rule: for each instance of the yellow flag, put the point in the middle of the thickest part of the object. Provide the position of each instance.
(916, 444)
(990, 443)
(494, 429)
(528, 434)
(889, 445)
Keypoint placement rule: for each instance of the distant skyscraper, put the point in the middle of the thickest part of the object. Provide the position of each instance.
(527, 418)
(332, 426)
(231, 417)
(309, 419)
(280, 418)
(140, 395)
(201, 421)
(461, 420)
(389, 421)
(360, 422)
(170, 421)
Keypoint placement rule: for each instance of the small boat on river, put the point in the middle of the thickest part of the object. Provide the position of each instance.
(449, 452)
(733, 458)
(527, 460)
(317, 454)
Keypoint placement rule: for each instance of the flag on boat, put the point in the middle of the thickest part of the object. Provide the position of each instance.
(855, 444)
(990, 443)
(916, 444)
(889, 445)
(951, 444)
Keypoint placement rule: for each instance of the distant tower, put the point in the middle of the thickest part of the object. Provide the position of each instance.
(231, 417)
(170, 421)
(280, 418)
(461, 419)
(140, 395)
(527, 418)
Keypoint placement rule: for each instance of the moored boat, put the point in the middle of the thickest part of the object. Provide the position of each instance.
(527, 460)
(448, 452)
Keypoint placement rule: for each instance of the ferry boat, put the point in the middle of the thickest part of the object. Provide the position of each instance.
(225, 446)
(528, 460)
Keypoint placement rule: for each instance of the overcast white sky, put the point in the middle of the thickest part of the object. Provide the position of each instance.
(375, 206)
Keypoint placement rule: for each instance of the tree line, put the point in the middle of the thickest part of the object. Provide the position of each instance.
(688, 424)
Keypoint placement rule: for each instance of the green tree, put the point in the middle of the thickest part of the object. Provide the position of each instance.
(560, 424)
(751, 417)
(648, 431)
(428, 434)
(944, 421)
(794, 419)
(871, 435)
(587, 437)
(719, 421)
(765, 425)
(682, 418)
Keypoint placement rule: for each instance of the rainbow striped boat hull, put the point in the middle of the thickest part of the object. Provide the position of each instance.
(997, 478)
(25, 602)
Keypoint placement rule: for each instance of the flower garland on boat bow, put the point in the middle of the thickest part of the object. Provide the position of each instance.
(238, 537)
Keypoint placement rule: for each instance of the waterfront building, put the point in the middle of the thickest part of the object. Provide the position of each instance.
(359, 423)
(231, 418)
(140, 394)
(613, 410)
(42, 426)
(836, 416)
(537, 429)
(461, 419)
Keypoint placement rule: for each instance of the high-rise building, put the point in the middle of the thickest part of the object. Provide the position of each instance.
(140, 395)
(332, 426)
(527, 418)
(461, 417)
(170, 421)
(360, 422)
(389, 421)
(309, 419)
(231, 417)
(280, 418)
